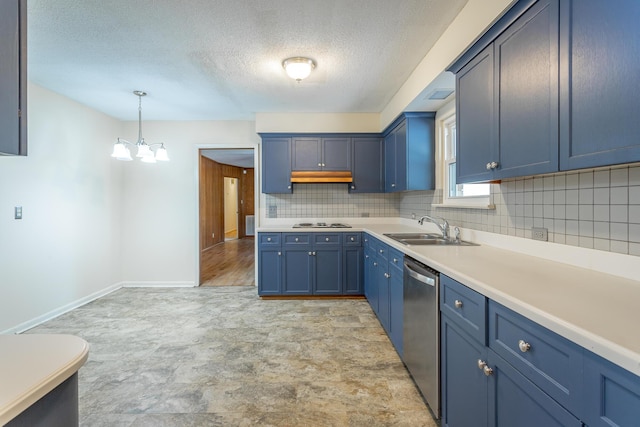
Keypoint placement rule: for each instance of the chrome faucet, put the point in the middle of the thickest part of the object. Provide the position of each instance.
(444, 226)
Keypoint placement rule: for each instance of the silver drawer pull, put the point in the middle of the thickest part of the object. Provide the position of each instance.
(268, 239)
(381, 251)
(481, 364)
(487, 371)
(326, 239)
(457, 303)
(375, 264)
(387, 275)
(309, 253)
(395, 260)
(353, 239)
(524, 346)
(279, 253)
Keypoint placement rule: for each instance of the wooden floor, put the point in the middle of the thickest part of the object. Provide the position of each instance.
(229, 264)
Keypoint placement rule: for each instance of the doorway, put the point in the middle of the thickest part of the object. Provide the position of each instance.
(227, 198)
(231, 209)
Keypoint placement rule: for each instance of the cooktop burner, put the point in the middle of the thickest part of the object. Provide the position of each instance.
(321, 225)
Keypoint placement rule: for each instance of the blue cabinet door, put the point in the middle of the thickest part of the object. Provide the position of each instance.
(336, 154)
(400, 148)
(297, 271)
(396, 311)
(306, 154)
(327, 271)
(463, 383)
(269, 271)
(475, 119)
(374, 291)
(276, 165)
(600, 103)
(369, 276)
(390, 163)
(611, 394)
(384, 307)
(368, 165)
(13, 77)
(516, 401)
(353, 266)
(526, 93)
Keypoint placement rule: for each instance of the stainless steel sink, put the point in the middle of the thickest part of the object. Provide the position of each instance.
(426, 239)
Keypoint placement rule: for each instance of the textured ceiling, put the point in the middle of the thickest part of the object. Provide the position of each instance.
(221, 59)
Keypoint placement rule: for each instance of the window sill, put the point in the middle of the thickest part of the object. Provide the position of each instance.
(461, 206)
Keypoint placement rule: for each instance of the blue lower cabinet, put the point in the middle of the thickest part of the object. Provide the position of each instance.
(384, 308)
(297, 271)
(396, 311)
(370, 274)
(328, 272)
(611, 394)
(516, 401)
(464, 384)
(270, 271)
(353, 268)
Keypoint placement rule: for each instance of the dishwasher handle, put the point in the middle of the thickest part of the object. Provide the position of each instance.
(419, 277)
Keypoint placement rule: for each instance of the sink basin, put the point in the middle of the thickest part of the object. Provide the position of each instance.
(424, 239)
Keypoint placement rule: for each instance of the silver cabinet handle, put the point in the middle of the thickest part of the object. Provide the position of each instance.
(488, 166)
(481, 364)
(381, 251)
(268, 239)
(387, 275)
(297, 239)
(457, 303)
(314, 253)
(309, 253)
(279, 253)
(393, 185)
(353, 239)
(288, 187)
(366, 256)
(319, 164)
(395, 260)
(524, 346)
(353, 187)
(326, 239)
(487, 371)
(494, 165)
(375, 264)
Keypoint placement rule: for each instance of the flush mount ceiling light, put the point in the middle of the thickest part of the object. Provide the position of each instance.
(298, 68)
(144, 151)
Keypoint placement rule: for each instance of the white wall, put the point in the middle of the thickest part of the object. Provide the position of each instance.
(160, 229)
(66, 246)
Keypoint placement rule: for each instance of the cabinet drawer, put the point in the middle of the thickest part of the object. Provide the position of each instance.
(465, 307)
(269, 239)
(352, 239)
(395, 258)
(382, 250)
(550, 361)
(323, 239)
(296, 239)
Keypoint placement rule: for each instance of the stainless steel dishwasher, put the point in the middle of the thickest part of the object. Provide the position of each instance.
(421, 330)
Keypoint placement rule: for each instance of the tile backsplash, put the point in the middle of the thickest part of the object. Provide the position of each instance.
(597, 209)
(330, 200)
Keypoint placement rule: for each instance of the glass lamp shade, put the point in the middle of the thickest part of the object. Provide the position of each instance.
(121, 152)
(144, 150)
(161, 154)
(298, 68)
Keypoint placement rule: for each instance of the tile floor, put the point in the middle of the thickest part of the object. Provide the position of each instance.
(223, 357)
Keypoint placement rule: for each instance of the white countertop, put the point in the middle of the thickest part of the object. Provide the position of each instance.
(33, 365)
(596, 310)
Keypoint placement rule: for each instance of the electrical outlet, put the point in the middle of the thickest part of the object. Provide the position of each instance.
(413, 215)
(273, 211)
(364, 214)
(539, 233)
(17, 213)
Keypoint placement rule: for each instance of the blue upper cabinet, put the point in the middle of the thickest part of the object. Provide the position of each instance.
(600, 65)
(316, 154)
(368, 166)
(507, 101)
(526, 93)
(13, 77)
(475, 122)
(276, 165)
(409, 149)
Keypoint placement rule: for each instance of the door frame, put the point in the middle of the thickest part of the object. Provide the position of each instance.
(256, 196)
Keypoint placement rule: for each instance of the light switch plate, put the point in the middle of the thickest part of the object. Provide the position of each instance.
(17, 213)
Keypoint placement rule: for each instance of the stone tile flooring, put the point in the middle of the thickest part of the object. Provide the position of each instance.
(223, 357)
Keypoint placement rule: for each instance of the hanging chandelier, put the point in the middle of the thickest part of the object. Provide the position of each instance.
(144, 151)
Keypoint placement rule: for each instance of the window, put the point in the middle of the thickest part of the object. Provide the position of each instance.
(467, 195)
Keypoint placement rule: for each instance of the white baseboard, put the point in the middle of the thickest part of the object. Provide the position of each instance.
(61, 310)
(159, 284)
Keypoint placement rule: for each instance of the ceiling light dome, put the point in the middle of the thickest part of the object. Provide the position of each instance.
(298, 68)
